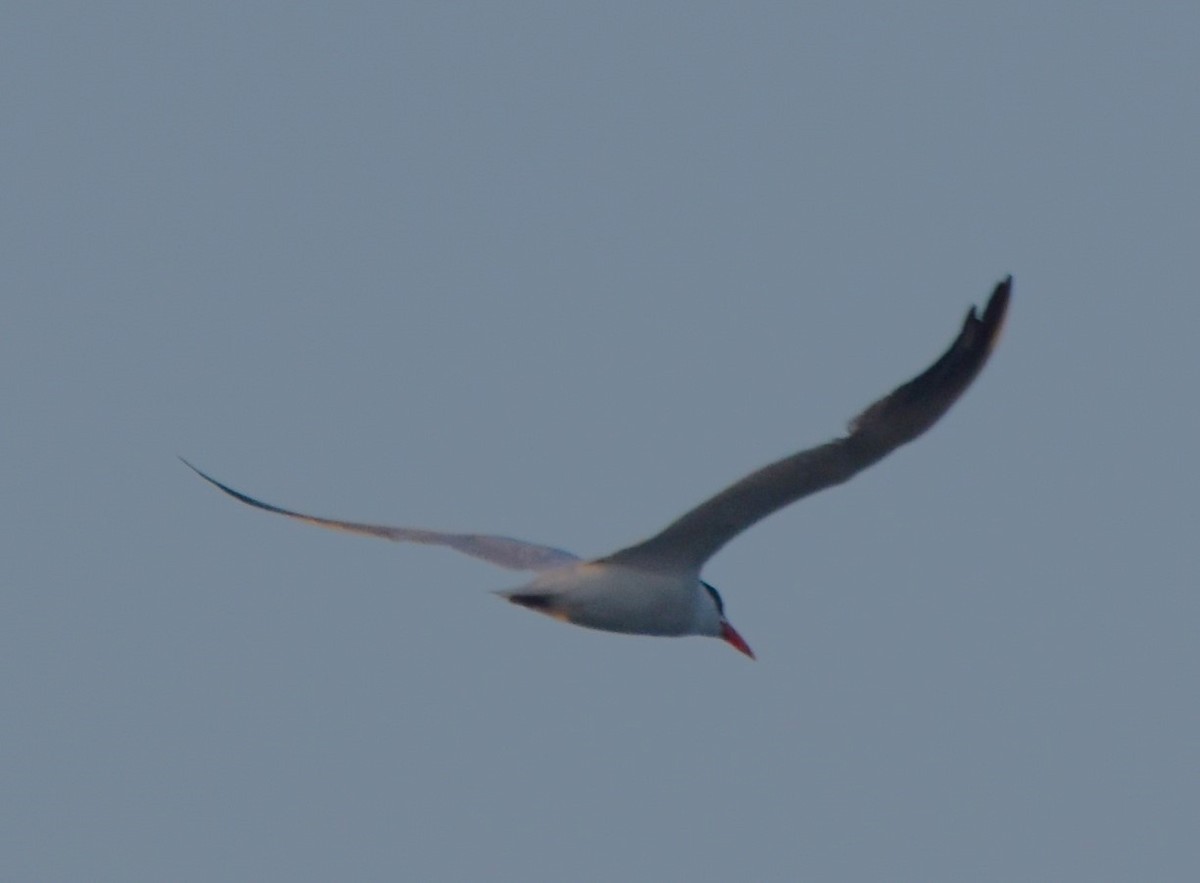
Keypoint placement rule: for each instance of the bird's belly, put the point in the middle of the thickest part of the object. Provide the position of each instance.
(629, 601)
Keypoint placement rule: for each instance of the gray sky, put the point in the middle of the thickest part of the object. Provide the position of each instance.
(560, 271)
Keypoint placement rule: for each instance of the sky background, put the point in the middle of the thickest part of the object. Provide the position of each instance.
(560, 271)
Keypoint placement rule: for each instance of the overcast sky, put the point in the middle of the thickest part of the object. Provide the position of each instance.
(560, 271)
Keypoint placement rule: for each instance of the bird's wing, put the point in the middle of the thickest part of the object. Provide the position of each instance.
(503, 551)
(890, 422)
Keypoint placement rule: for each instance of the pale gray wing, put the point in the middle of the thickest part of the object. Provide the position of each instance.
(892, 421)
(503, 551)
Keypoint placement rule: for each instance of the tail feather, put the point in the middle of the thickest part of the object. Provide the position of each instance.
(549, 603)
(540, 601)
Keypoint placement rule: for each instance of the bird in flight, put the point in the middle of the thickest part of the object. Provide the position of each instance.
(654, 587)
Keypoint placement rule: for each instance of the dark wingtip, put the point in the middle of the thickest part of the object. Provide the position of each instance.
(205, 476)
(999, 299)
(996, 311)
(186, 462)
(914, 407)
(238, 495)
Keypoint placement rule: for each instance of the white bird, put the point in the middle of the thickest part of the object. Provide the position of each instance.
(654, 587)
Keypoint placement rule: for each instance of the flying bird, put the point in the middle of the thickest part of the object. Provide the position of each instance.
(654, 587)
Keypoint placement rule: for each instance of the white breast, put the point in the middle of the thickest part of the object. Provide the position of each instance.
(622, 599)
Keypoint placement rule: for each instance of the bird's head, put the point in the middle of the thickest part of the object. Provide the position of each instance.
(718, 625)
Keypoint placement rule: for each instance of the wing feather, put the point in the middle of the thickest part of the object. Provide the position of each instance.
(502, 551)
(887, 424)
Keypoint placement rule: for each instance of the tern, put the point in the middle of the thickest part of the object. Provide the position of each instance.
(654, 587)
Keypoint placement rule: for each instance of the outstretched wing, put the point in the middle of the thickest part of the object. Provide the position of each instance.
(892, 421)
(503, 551)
